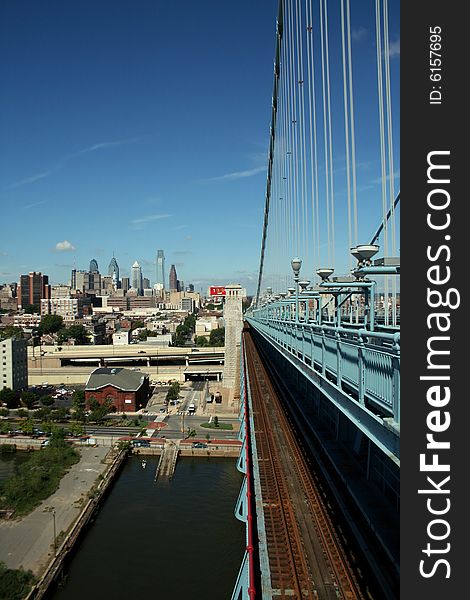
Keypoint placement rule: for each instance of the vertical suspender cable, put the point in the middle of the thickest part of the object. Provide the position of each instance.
(382, 143)
(346, 130)
(352, 128)
(391, 174)
(325, 133)
(332, 199)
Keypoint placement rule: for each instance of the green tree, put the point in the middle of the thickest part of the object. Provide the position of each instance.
(99, 411)
(4, 428)
(47, 400)
(31, 309)
(216, 421)
(43, 413)
(27, 427)
(78, 405)
(11, 332)
(28, 399)
(60, 414)
(15, 584)
(217, 337)
(4, 412)
(174, 391)
(50, 324)
(76, 429)
(75, 332)
(10, 398)
(202, 341)
(22, 413)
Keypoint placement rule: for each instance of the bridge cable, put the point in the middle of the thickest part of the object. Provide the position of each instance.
(390, 154)
(346, 131)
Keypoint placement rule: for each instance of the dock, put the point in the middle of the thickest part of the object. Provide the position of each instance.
(167, 463)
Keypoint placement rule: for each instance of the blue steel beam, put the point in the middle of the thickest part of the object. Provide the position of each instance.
(373, 372)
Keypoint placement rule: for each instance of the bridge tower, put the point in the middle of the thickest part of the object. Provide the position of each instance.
(233, 318)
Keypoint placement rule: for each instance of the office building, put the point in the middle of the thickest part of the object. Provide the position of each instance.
(14, 364)
(94, 266)
(33, 288)
(160, 274)
(113, 270)
(136, 277)
(173, 279)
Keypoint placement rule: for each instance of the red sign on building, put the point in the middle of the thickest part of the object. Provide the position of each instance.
(217, 291)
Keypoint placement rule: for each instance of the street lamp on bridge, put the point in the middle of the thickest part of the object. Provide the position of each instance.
(296, 263)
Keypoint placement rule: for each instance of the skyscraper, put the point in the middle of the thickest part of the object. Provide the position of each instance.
(113, 269)
(136, 277)
(94, 266)
(33, 288)
(173, 279)
(160, 274)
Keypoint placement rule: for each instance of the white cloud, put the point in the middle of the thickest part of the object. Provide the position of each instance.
(239, 174)
(149, 218)
(102, 145)
(28, 206)
(31, 179)
(359, 34)
(64, 246)
(394, 49)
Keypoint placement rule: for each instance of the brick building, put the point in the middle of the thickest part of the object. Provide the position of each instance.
(128, 390)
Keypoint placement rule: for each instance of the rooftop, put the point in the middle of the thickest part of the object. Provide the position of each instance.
(124, 379)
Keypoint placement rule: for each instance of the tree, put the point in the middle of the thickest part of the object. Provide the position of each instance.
(216, 421)
(12, 332)
(202, 341)
(28, 399)
(47, 400)
(217, 337)
(174, 391)
(78, 405)
(31, 309)
(22, 413)
(99, 411)
(27, 427)
(60, 414)
(50, 324)
(10, 398)
(76, 332)
(15, 584)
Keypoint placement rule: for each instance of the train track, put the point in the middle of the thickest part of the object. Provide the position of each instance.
(306, 555)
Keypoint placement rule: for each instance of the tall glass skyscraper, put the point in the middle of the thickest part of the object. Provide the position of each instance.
(136, 277)
(94, 266)
(160, 273)
(113, 269)
(173, 279)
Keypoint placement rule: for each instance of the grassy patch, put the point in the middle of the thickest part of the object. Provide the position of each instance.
(15, 584)
(37, 478)
(219, 426)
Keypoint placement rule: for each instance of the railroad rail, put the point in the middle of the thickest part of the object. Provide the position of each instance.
(306, 553)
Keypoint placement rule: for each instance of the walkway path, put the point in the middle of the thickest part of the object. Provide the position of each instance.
(29, 542)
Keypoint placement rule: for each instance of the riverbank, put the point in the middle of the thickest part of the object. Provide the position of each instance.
(29, 542)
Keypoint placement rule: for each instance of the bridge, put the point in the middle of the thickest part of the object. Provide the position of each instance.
(320, 350)
(75, 363)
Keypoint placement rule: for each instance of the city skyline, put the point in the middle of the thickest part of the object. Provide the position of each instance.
(143, 127)
(116, 153)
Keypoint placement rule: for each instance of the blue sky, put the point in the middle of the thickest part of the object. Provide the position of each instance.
(129, 126)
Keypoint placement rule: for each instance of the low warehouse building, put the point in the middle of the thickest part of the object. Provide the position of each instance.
(128, 391)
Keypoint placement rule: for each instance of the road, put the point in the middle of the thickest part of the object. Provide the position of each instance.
(29, 542)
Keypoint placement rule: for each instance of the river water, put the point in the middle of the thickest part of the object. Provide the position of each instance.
(164, 540)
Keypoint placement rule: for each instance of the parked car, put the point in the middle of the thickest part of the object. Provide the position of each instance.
(198, 445)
